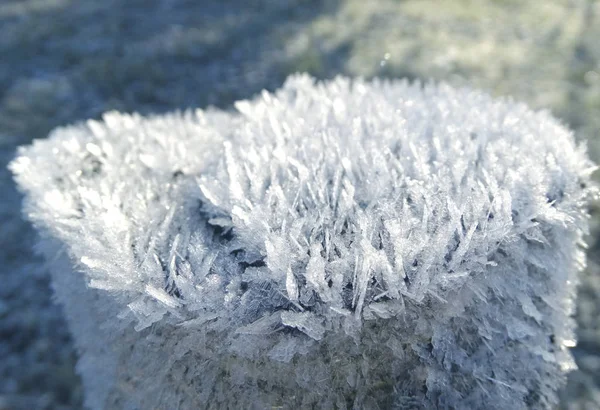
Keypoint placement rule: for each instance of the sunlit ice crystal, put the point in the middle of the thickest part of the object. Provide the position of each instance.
(344, 244)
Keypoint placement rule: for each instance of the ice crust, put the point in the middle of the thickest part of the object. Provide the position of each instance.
(346, 244)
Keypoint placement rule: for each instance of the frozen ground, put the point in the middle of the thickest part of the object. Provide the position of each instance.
(68, 60)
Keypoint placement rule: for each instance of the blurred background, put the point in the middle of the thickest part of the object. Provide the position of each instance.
(63, 61)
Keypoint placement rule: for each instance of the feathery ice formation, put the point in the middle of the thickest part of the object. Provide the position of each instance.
(345, 244)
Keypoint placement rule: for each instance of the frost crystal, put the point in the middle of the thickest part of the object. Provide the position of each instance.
(345, 244)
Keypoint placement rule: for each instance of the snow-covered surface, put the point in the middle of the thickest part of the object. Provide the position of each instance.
(403, 244)
(65, 61)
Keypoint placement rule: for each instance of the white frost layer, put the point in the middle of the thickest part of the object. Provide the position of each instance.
(345, 244)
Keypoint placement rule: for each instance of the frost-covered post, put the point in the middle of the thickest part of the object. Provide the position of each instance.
(345, 244)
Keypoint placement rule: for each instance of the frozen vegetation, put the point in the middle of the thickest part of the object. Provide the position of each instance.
(332, 245)
(66, 61)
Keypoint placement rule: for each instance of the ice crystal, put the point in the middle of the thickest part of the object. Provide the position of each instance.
(345, 244)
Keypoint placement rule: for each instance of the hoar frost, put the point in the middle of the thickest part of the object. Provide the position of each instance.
(345, 244)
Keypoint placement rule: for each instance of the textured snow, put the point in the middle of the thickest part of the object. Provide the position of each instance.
(341, 244)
